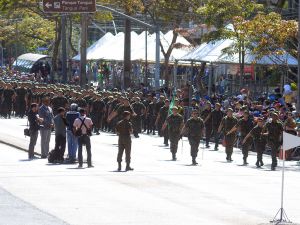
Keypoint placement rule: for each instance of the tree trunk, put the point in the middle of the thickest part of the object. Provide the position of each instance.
(56, 46)
(74, 51)
(127, 55)
(167, 55)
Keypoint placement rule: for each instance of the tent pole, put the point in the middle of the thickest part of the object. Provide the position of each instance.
(157, 63)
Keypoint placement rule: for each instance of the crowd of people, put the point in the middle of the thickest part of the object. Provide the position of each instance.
(74, 114)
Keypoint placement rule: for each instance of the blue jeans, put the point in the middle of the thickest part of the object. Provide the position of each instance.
(72, 144)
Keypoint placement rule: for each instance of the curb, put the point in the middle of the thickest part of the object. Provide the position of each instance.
(17, 147)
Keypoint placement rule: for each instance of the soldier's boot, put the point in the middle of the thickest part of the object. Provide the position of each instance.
(128, 168)
(261, 163)
(257, 164)
(119, 166)
(245, 162)
(174, 157)
(194, 161)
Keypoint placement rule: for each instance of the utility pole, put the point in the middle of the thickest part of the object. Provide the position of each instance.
(83, 45)
(127, 55)
(64, 48)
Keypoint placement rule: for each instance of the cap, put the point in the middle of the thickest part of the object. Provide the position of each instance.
(174, 107)
(260, 119)
(230, 109)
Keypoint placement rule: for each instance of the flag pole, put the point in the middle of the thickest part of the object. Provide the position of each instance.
(281, 212)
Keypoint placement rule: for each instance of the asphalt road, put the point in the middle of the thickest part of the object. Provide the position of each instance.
(158, 191)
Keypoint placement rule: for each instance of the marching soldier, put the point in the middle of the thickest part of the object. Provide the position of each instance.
(151, 115)
(97, 111)
(273, 132)
(207, 119)
(139, 109)
(227, 123)
(259, 141)
(161, 118)
(216, 116)
(174, 124)
(194, 129)
(124, 130)
(245, 125)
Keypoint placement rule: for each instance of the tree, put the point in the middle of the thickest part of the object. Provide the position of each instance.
(171, 14)
(218, 14)
(269, 35)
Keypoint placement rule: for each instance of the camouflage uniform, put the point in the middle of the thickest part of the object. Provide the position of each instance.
(245, 127)
(124, 128)
(206, 115)
(138, 109)
(194, 129)
(228, 123)
(274, 130)
(174, 123)
(259, 143)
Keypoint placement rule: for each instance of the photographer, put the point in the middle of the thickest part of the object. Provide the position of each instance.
(34, 127)
(83, 129)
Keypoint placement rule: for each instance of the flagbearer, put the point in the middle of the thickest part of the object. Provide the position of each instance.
(174, 124)
(273, 132)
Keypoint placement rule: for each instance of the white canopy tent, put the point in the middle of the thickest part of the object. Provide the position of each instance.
(212, 52)
(111, 47)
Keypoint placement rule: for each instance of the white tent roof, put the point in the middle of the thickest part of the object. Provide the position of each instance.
(111, 47)
(213, 52)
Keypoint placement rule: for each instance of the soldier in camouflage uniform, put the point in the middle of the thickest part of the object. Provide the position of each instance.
(174, 124)
(139, 109)
(124, 130)
(216, 117)
(273, 132)
(259, 141)
(206, 117)
(59, 101)
(97, 111)
(245, 125)
(161, 118)
(194, 129)
(151, 115)
(227, 125)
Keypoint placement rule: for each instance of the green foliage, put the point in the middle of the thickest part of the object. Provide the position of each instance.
(26, 29)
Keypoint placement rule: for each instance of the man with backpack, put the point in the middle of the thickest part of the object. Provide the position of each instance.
(83, 129)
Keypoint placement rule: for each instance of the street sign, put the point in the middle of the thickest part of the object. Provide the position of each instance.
(69, 6)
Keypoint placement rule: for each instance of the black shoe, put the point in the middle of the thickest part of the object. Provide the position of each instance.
(194, 162)
(261, 163)
(79, 166)
(128, 168)
(90, 166)
(245, 163)
(119, 167)
(273, 168)
(166, 145)
(216, 149)
(207, 146)
(174, 157)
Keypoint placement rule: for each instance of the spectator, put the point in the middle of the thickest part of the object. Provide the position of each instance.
(34, 127)
(84, 124)
(60, 133)
(71, 116)
(45, 112)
